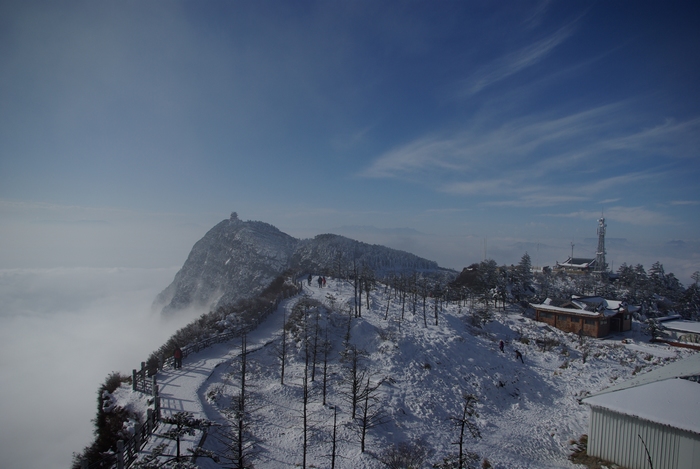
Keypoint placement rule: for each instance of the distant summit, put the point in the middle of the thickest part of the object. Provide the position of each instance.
(237, 260)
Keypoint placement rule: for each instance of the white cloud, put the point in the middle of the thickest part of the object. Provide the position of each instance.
(516, 61)
(542, 200)
(685, 202)
(541, 158)
(640, 216)
(429, 152)
(62, 331)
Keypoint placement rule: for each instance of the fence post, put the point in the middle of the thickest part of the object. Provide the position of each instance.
(156, 401)
(161, 362)
(120, 454)
(137, 437)
(134, 386)
(149, 421)
(153, 388)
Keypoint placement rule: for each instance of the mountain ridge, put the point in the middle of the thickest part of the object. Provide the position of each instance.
(237, 259)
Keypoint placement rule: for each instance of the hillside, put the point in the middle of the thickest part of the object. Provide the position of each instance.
(237, 259)
(527, 412)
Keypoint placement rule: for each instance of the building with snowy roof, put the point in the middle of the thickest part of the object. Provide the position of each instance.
(653, 417)
(592, 316)
(680, 332)
(576, 265)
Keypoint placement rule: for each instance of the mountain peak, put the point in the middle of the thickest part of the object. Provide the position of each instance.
(236, 260)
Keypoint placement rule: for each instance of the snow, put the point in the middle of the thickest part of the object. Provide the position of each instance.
(559, 309)
(682, 325)
(674, 402)
(135, 403)
(527, 413)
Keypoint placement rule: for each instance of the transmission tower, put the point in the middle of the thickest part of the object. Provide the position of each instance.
(601, 266)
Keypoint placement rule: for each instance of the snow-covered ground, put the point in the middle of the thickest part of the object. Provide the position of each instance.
(527, 412)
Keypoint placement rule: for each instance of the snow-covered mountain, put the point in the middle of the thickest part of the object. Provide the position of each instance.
(237, 259)
(411, 377)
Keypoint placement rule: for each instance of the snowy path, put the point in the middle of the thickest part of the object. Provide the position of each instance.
(181, 390)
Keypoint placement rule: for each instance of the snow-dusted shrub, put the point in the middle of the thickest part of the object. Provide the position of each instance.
(405, 455)
(296, 320)
(481, 317)
(109, 423)
(470, 461)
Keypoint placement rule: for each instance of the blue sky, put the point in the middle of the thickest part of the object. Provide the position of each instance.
(450, 129)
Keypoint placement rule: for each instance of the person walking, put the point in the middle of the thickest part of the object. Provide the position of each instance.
(520, 356)
(177, 357)
(501, 344)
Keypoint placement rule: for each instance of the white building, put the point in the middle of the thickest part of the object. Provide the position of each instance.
(680, 331)
(656, 412)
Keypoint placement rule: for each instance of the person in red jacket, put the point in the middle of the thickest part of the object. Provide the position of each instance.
(177, 356)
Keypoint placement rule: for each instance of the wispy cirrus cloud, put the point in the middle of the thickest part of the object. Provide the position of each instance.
(685, 202)
(679, 139)
(524, 161)
(427, 152)
(538, 200)
(477, 147)
(640, 216)
(516, 61)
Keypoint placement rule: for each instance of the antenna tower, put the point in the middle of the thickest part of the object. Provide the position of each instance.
(601, 266)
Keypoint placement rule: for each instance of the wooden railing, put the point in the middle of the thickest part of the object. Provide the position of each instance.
(127, 450)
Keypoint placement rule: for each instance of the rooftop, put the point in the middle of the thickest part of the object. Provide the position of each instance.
(674, 402)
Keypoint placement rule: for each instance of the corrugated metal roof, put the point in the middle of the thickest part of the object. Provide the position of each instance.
(689, 366)
(674, 402)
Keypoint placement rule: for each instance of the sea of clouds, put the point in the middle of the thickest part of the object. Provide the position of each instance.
(62, 331)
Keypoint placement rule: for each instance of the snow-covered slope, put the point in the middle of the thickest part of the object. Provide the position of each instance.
(234, 260)
(238, 259)
(527, 412)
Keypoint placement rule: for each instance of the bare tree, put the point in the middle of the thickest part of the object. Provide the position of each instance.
(282, 349)
(326, 347)
(236, 440)
(413, 289)
(357, 288)
(437, 297)
(355, 376)
(305, 444)
(181, 424)
(335, 436)
(314, 349)
(369, 283)
(371, 414)
(241, 403)
(424, 292)
(466, 423)
(347, 332)
(403, 288)
(387, 293)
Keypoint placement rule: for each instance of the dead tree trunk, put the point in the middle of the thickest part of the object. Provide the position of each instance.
(466, 423)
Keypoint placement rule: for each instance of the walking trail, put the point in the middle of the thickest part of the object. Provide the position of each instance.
(179, 389)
